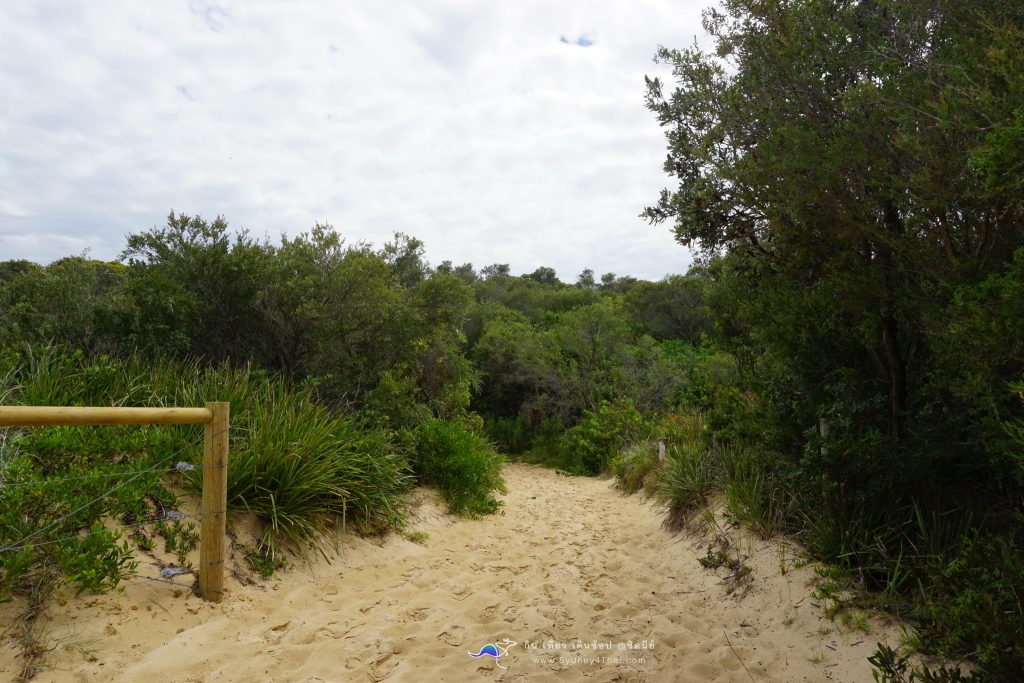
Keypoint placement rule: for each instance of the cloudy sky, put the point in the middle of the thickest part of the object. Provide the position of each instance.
(496, 132)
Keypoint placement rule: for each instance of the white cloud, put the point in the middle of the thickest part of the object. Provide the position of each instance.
(469, 125)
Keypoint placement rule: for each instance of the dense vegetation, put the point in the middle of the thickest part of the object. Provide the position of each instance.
(845, 361)
(852, 174)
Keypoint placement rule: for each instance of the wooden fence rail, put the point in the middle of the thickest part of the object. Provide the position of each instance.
(216, 418)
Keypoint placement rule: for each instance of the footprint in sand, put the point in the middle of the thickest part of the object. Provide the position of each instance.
(381, 668)
(703, 671)
(274, 634)
(416, 614)
(366, 608)
(455, 636)
(460, 592)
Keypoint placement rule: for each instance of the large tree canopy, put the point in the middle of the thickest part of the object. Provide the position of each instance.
(869, 153)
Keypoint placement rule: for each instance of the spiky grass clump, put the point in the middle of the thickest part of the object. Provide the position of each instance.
(685, 483)
(752, 494)
(634, 467)
(298, 469)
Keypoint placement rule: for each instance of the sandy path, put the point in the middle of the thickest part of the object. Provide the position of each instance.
(570, 560)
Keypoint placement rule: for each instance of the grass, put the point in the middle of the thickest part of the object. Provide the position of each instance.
(419, 537)
(299, 467)
(636, 467)
(685, 483)
(264, 561)
(302, 469)
(855, 620)
(752, 496)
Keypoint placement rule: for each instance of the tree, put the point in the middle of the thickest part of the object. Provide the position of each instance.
(405, 255)
(495, 270)
(544, 276)
(670, 309)
(851, 174)
(591, 340)
(302, 276)
(586, 279)
(212, 277)
(813, 143)
(70, 301)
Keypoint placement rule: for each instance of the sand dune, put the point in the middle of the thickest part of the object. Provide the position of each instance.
(583, 579)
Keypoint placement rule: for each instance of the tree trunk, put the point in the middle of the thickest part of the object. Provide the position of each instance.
(897, 373)
(890, 328)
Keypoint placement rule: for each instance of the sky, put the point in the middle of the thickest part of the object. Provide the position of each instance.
(495, 132)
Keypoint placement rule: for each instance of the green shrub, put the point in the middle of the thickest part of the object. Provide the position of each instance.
(975, 606)
(298, 467)
(1015, 430)
(682, 429)
(589, 447)
(293, 463)
(890, 667)
(51, 526)
(545, 439)
(462, 464)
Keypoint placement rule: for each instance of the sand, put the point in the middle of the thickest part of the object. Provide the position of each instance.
(582, 578)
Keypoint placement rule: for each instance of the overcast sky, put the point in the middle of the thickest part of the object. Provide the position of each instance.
(496, 132)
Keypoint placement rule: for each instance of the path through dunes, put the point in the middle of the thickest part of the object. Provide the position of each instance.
(571, 560)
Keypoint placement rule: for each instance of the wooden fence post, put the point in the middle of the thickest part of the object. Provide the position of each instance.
(215, 503)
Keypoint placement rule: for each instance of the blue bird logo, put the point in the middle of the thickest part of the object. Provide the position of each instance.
(496, 650)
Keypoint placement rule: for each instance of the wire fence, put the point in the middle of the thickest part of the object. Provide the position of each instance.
(132, 475)
(137, 473)
(36, 501)
(179, 467)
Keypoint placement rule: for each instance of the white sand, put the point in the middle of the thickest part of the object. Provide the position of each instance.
(570, 560)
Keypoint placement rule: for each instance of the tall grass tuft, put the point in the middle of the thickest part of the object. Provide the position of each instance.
(298, 467)
(753, 496)
(635, 467)
(686, 481)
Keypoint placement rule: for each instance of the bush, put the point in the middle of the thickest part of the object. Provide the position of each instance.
(508, 433)
(976, 606)
(589, 447)
(462, 464)
(52, 504)
(686, 429)
(890, 667)
(293, 463)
